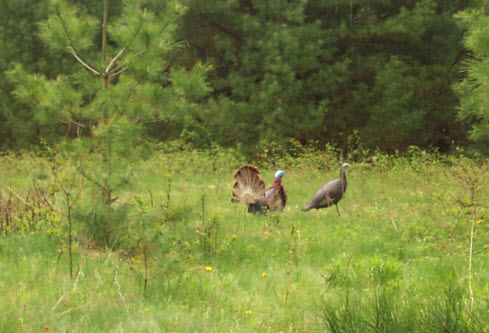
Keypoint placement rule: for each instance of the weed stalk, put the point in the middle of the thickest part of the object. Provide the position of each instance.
(291, 262)
(168, 198)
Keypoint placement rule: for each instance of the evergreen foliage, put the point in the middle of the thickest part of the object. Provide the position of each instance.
(107, 98)
(308, 71)
(473, 88)
(322, 70)
(20, 44)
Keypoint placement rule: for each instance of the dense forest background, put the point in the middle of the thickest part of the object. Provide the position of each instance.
(385, 74)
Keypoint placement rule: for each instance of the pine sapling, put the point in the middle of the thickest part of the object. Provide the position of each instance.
(471, 177)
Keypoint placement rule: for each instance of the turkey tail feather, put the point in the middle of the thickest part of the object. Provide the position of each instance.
(308, 206)
(249, 186)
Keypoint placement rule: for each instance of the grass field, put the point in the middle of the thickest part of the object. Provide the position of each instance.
(188, 260)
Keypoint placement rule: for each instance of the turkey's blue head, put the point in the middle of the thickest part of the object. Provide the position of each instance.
(278, 176)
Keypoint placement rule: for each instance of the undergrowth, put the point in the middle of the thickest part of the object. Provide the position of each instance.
(407, 254)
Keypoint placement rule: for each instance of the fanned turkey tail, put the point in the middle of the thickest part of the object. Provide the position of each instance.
(248, 187)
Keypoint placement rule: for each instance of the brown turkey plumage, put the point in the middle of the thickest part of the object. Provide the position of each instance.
(249, 188)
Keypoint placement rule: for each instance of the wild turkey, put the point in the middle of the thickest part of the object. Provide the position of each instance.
(250, 189)
(330, 193)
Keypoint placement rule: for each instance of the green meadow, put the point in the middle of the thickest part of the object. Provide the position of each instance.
(407, 254)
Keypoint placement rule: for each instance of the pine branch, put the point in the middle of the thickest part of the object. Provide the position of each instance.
(118, 72)
(84, 174)
(71, 46)
(107, 70)
(63, 24)
(119, 111)
(80, 60)
(73, 122)
(139, 53)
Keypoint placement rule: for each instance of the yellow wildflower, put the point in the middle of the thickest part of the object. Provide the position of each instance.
(264, 274)
(479, 222)
(208, 268)
(248, 311)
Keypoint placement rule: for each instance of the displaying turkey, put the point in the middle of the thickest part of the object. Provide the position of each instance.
(249, 188)
(330, 193)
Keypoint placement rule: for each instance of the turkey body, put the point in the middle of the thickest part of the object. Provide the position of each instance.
(249, 188)
(330, 193)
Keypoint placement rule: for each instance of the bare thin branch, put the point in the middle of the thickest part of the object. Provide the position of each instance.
(59, 301)
(79, 271)
(119, 72)
(43, 196)
(71, 310)
(11, 191)
(107, 70)
(80, 60)
(71, 121)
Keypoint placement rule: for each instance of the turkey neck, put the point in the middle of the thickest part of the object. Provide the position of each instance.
(343, 176)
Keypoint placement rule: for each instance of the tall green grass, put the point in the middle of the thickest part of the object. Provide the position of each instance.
(396, 260)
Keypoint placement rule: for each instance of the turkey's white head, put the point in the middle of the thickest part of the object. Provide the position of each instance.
(278, 176)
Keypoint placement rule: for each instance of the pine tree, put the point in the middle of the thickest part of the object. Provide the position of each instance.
(323, 70)
(20, 43)
(473, 89)
(121, 81)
